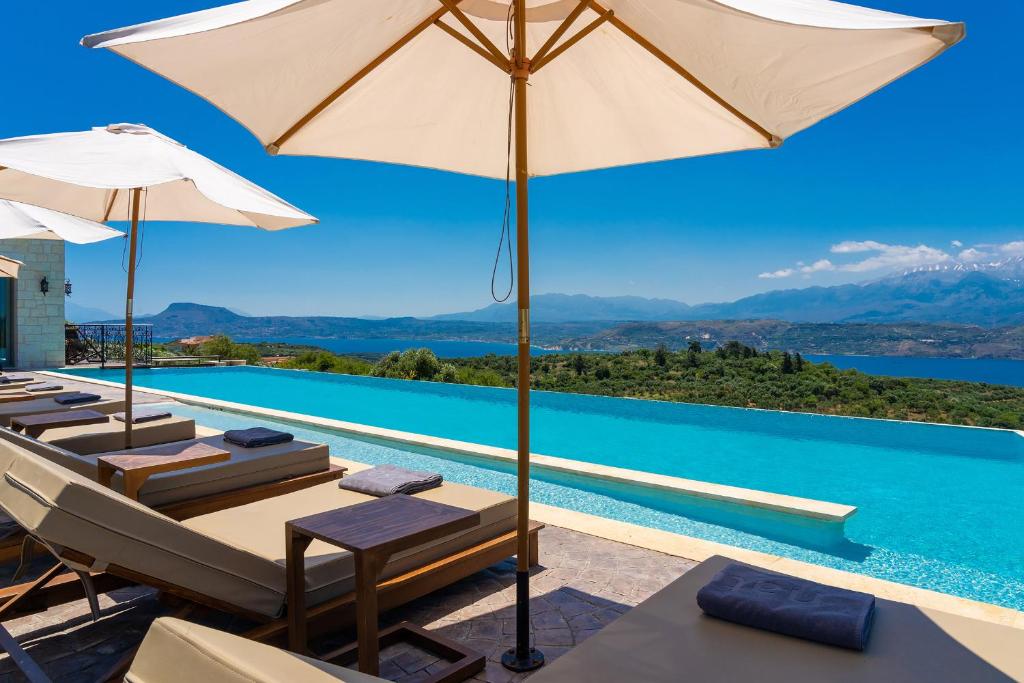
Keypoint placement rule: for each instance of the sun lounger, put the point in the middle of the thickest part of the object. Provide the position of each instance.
(232, 560)
(176, 650)
(49, 405)
(667, 639)
(246, 468)
(101, 438)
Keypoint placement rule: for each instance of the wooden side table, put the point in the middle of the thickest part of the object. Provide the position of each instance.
(139, 464)
(35, 425)
(372, 532)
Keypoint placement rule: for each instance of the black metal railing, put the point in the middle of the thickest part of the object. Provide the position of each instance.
(103, 344)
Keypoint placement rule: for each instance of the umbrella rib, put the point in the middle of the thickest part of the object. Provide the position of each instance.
(607, 15)
(110, 206)
(275, 146)
(772, 139)
(538, 57)
(452, 6)
(504, 65)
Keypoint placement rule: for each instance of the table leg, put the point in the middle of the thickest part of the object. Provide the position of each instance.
(295, 563)
(366, 613)
(104, 474)
(133, 483)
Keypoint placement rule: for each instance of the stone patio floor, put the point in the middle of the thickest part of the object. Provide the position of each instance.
(583, 583)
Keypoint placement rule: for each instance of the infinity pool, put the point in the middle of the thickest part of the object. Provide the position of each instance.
(939, 507)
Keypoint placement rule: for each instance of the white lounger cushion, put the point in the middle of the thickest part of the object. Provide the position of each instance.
(176, 650)
(330, 571)
(234, 555)
(102, 438)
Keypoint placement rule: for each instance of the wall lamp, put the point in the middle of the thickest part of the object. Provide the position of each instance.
(67, 287)
(44, 285)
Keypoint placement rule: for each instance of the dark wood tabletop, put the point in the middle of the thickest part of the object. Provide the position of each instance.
(139, 464)
(386, 525)
(34, 425)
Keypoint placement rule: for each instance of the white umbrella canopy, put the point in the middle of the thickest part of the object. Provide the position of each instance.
(443, 84)
(89, 174)
(656, 79)
(18, 220)
(127, 172)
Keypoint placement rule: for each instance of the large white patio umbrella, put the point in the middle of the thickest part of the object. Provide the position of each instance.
(443, 84)
(132, 172)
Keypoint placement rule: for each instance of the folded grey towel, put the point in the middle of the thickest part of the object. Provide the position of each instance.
(257, 437)
(388, 480)
(788, 605)
(144, 415)
(44, 387)
(11, 379)
(76, 397)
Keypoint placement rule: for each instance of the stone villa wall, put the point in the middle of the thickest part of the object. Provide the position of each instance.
(38, 319)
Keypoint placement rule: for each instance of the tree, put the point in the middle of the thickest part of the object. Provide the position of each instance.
(799, 362)
(787, 363)
(579, 364)
(695, 347)
(603, 372)
(661, 355)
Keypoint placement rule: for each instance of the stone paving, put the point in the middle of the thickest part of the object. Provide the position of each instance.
(582, 585)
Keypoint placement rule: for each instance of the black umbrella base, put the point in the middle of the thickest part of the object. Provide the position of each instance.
(534, 659)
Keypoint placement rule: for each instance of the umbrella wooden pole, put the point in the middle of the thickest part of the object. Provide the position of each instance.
(129, 303)
(522, 657)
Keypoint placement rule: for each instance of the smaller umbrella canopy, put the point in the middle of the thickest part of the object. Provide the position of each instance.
(9, 267)
(131, 172)
(90, 174)
(19, 220)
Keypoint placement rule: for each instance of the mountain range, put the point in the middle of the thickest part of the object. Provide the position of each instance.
(989, 295)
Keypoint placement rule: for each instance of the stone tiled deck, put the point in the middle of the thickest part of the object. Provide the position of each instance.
(582, 584)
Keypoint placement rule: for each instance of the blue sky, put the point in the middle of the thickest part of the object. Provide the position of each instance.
(930, 163)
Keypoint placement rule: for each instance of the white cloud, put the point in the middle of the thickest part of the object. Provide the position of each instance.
(1012, 248)
(774, 275)
(888, 255)
(852, 247)
(957, 243)
(817, 267)
(972, 255)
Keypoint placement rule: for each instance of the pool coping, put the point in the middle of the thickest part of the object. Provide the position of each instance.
(793, 505)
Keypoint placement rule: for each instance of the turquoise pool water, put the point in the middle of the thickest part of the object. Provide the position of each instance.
(939, 507)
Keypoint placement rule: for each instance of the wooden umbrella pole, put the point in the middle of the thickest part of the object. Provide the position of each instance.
(522, 657)
(129, 302)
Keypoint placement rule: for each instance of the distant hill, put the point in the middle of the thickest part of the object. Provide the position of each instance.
(988, 294)
(188, 319)
(559, 308)
(84, 314)
(980, 294)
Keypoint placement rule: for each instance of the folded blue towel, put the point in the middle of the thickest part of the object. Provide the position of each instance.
(44, 387)
(788, 605)
(76, 397)
(143, 415)
(390, 480)
(11, 379)
(255, 437)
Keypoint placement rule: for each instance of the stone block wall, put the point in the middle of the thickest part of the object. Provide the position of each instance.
(38, 319)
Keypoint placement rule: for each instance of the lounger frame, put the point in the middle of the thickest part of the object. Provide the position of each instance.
(56, 587)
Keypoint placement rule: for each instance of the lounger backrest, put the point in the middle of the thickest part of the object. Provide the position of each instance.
(67, 510)
(62, 457)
